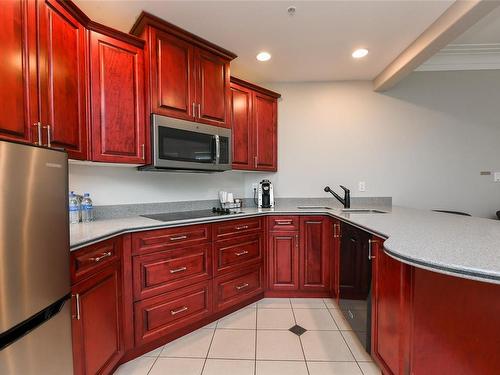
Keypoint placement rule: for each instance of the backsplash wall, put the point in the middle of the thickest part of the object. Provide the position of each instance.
(126, 185)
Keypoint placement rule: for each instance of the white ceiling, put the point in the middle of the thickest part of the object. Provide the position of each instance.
(313, 45)
(476, 49)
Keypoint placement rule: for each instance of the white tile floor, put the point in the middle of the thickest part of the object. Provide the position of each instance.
(256, 341)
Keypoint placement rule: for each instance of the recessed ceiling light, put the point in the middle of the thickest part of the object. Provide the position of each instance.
(264, 56)
(361, 52)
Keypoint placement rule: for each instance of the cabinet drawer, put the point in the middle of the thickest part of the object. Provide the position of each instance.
(93, 258)
(227, 229)
(155, 240)
(234, 288)
(283, 223)
(237, 252)
(161, 315)
(166, 270)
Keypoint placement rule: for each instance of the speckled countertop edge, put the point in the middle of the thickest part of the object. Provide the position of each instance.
(457, 246)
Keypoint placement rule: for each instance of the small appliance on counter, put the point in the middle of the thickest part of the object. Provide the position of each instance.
(228, 202)
(265, 194)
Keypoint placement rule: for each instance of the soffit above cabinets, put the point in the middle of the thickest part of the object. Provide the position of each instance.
(315, 44)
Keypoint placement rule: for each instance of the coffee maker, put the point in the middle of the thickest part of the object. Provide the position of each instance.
(265, 194)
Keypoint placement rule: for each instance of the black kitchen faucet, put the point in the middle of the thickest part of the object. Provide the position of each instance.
(346, 201)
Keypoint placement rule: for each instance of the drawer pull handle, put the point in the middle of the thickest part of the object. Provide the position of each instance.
(101, 257)
(283, 222)
(178, 311)
(181, 269)
(242, 227)
(242, 286)
(178, 238)
(244, 252)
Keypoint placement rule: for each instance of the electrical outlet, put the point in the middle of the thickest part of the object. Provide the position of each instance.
(496, 176)
(255, 186)
(362, 186)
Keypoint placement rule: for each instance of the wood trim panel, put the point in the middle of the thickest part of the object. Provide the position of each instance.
(254, 87)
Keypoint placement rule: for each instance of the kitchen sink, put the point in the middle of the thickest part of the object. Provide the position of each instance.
(313, 208)
(362, 211)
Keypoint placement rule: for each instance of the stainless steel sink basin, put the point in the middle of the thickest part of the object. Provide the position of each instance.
(362, 211)
(313, 208)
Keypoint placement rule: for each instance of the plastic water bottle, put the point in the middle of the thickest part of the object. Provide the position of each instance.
(74, 208)
(87, 209)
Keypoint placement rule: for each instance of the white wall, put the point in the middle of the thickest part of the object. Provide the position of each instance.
(125, 185)
(424, 143)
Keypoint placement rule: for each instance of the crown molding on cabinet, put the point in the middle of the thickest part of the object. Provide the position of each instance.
(464, 57)
(254, 87)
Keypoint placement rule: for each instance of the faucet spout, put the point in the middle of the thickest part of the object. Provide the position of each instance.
(346, 201)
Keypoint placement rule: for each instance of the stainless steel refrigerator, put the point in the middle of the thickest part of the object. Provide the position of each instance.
(35, 309)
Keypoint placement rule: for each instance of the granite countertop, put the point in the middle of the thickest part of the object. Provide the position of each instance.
(461, 246)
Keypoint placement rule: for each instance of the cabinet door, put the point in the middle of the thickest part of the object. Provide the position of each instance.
(17, 40)
(241, 123)
(212, 88)
(61, 66)
(314, 253)
(117, 84)
(388, 276)
(172, 74)
(266, 132)
(284, 261)
(355, 267)
(97, 322)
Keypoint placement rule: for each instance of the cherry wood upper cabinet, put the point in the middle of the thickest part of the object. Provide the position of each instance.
(61, 66)
(314, 253)
(172, 86)
(241, 121)
(117, 100)
(188, 76)
(255, 127)
(212, 88)
(18, 42)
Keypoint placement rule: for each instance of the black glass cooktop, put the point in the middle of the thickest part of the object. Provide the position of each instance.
(186, 215)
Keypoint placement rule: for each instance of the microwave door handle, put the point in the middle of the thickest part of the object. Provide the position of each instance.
(217, 149)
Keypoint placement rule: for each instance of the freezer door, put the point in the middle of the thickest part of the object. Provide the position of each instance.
(34, 231)
(45, 350)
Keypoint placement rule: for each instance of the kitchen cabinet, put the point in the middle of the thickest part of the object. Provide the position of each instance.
(43, 91)
(18, 77)
(255, 128)
(117, 100)
(355, 275)
(62, 58)
(97, 322)
(188, 76)
(390, 284)
(315, 253)
(283, 265)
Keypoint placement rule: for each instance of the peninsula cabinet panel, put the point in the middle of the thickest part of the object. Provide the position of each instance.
(17, 93)
(212, 88)
(97, 322)
(117, 86)
(266, 132)
(455, 326)
(389, 290)
(335, 258)
(314, 253)
(172, 76)
(61, 66)
(283, 265)
(241, 123)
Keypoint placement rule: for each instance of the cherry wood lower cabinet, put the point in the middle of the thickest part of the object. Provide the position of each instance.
(97, 322)
(163, 314)
(390, 287)
(283, 261)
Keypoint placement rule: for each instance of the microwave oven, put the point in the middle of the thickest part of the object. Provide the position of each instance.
(189, 146)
